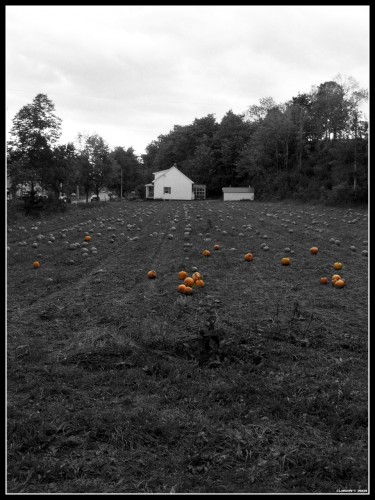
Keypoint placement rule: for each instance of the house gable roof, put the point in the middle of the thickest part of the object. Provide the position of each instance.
(163, 172)
(159, 174)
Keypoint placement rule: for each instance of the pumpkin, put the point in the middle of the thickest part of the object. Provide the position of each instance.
(216, 247)
(181, 288)
(151, 275)
(339, 283)
(206, 253)
(36, 264)
(196, 276)
(337, 266)
(188, 290)
(87, 238)
(335, 277)
(323, 281)
(249, 257)
(314, 250)
(188, 281)
(182, 275)
(285, 261)
(199, 283)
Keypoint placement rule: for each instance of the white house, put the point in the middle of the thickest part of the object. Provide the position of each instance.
(238, 193)
(172, 184)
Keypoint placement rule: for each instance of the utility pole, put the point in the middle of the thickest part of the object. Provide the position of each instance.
(300, 139)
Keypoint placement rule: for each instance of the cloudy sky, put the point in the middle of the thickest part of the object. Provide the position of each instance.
(130, 73)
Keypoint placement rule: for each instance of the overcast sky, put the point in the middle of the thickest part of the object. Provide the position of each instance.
(130, 73)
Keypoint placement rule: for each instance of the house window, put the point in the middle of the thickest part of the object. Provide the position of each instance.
(167, 190)
(200, 193)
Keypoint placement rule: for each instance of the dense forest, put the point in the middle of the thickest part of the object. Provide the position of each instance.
(313, 147)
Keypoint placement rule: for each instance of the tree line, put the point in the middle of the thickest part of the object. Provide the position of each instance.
(312, 147)
(35, 160)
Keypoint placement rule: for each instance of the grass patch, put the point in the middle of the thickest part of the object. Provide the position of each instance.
(113, 388)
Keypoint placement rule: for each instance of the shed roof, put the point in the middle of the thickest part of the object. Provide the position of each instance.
(247, 189)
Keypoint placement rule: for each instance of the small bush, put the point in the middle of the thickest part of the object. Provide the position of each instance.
(140, 191)
(132, 197)
(345, 195)
(14, 211)
(33, 206)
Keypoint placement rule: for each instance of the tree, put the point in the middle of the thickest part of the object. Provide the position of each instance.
(356, 126)
(84, 174)
(62, 173)
(96, 171)
(204, 129)
(126, 169)
(329, 110)
(35, 130)
(200, 167)
(355, 116)
(253, 161)
(300, 109)
(179, 146)
(228, 142)
(257, 113)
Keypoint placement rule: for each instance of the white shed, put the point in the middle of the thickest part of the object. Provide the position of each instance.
(238, 193)
(171, 184)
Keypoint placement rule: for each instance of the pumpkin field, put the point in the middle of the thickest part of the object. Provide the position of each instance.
(251, 376)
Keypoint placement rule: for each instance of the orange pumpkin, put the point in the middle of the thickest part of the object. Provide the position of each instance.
(216, 247)
(249, 257)
(188, 290)
(206, 253)
(188, 281)
(323, 281)
(199, 283)
(335, 278)
(285, 261)
(196, 276)
(339, 283)
(337, 266)
(36, 264)
(87, 238)
(181, 288)
(151, 275)
(182, 275)
(314, 250)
